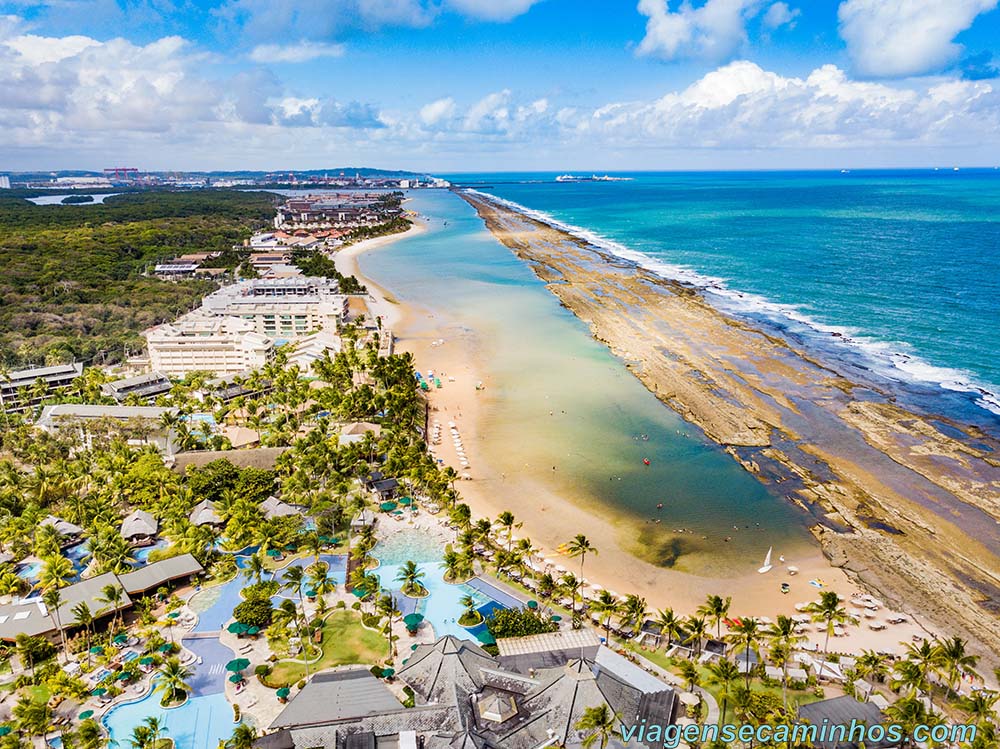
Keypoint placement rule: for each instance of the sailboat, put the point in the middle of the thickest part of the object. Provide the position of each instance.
(767, 561)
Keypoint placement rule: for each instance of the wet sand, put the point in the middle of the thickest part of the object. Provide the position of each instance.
(910, 512)
(549, 509)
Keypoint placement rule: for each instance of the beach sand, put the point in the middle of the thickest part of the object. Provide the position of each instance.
(551, 514)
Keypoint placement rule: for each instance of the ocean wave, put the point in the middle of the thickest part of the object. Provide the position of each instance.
(890, 360)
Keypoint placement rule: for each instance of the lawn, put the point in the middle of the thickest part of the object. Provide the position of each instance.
(344, 641)
(659, 657)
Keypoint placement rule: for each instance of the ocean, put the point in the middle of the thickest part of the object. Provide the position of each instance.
(893, 276)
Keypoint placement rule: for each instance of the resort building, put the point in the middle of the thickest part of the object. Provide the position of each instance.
(204, 513)
(21, 389)
(307, 350)
(70, 532)
(844, 711)
(207, 343)
(467, 698)
(145, 387)
(282, 307)
(138, 425)
(139, 528)
(31, 617)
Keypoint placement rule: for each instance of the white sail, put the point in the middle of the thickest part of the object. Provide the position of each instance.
(767, 561)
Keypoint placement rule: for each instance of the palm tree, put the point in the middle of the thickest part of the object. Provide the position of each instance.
(954, 661)
(411, 577)
(52, 599)
(715, 609)
(606, 606)
(112, 595)
(782, 637)
(56, 573)
(872, 664)
(670, 624)
(156, 729)
(690, 674)
(723, 673)
(634, 609)
(89, 735)
(580, 546)
(908, 712)
(243, 737)
(745, 634)
(171, 679)
(926, 657)
(909, 677)
(830, 612)
(255, 568)
(696, 628)
(600, 724)
(980, 706)
(506, 521)
(319, 578)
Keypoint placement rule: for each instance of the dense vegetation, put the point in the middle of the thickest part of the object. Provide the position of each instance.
(71, 276)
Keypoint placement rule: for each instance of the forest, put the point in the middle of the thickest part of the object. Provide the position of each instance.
(71, 276)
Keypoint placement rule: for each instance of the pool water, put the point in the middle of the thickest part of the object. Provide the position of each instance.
(200, 723)
(129, 655)
(142, 555)
(29, 571)
(408, 547)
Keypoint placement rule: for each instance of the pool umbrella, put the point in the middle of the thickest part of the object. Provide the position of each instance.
(334, 541)
(96, 650)
(120, 639)
(235, 678)
(412, 621)
(237, 664)
(273, 553)
(532, 604)
(283, 693)
(414, 646)
(237, 628)
(310, 594)
(388, 506)
(4, 730)
(406, 501)
(147, 660)
(556, 618)
(99, 692)
(173, 614)
(359, 592)
(123, 676)
(166, 647)
(253, 630)
(388, 673)
(86, 714)
(291, 548)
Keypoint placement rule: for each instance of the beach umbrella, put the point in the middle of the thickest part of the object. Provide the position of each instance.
(147, 660)
(235, 678)
(388, 673)
(253, 630)
(414, 646)
(173, 614)
(237, 664)
(86, 714)
(412, 621)
(283, 693)
(274, 553)
(96, 650)
(4, 730)
(388, 506)
(99, 692)
(532, 604)
(123, 676)
(556, 618)
(310, 594)
(237, 628)
(406, 501)
(166, 647)
(291, 548)
(120, 639)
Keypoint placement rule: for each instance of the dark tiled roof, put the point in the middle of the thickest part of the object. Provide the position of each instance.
(841, 711)
(337, 696)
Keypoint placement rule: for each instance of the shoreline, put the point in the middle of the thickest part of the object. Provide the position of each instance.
(550, 517)
(876, 472)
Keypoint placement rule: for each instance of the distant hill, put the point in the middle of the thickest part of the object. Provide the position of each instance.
(347, 171)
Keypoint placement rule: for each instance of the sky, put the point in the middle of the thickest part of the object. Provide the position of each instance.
(487, 85)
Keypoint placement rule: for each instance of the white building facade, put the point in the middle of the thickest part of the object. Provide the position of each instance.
(288, 308)
(207, 343)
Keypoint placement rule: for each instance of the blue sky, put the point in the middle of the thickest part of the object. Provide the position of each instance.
(448, 85)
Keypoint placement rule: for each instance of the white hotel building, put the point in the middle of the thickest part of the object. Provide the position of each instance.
(205, 343)
(282, 308)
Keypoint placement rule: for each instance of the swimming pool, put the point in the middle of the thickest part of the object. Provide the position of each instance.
(200, 723)
(142, 555)
(129, 655)
(29, 571)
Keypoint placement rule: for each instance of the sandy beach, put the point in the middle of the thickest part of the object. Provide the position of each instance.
(551, 515)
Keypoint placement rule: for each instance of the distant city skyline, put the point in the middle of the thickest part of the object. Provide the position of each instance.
(445, 86)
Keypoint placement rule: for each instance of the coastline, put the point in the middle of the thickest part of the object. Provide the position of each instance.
(552, 513)
(878, 475)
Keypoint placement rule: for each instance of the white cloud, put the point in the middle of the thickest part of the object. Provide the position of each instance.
(897, 38)
(302, 51)
(492, 10)
(437, 111)
(714, 31)
(490, 114)
(779, 14)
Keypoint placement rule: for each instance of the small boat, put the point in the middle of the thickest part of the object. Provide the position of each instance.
(785, 587)
(645, 461)
(767, 562)
(659, 506)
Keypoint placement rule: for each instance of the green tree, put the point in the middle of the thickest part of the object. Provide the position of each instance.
(171, 680)
(829, 611)
(715, 609)
(599, 725)
(411, 577)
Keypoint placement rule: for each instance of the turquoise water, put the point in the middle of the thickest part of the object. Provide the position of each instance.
(557, 398)
(891, 274)
(442, 607)
(198, 724)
